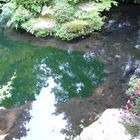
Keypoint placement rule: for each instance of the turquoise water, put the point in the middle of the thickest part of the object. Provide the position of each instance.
(24, 70)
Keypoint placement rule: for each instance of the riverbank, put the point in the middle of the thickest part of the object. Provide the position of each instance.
(65, 20)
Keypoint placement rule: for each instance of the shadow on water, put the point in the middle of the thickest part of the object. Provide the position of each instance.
(74, 71)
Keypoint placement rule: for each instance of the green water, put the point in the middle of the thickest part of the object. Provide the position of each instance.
(24, 70)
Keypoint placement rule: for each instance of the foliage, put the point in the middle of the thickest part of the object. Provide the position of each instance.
(93, 17)
(132, 129)
(137, 1)
(69, 31)
(21, 15)
(7, 11)
(63, 12)
(76, 28)
(134, 95)
(106, 4)
(71, 22)
(38, 32)
(34, 6)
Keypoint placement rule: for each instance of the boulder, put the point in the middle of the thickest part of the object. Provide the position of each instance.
(88, 7)
(114, 124)
(42, 23)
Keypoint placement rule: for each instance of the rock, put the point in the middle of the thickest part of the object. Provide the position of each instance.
(137, 46)
(111, 126)
(40, 27)
(137, 72)
(2, 137)
(41, 23)
(129, 67)
(88, 7)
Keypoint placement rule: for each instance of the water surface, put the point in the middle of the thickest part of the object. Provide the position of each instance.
(49, 76)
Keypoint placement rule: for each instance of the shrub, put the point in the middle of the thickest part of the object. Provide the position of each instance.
(74, 29)
(63, 12)
(93, 17)
(106, 4)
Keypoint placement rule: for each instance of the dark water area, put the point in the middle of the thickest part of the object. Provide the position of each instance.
(68, 81)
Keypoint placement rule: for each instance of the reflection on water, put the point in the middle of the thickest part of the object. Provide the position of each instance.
(43, 123)
(46, 76)
(75, 74)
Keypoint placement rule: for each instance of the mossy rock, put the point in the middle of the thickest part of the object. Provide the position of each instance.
(76, 26)
(74, 29)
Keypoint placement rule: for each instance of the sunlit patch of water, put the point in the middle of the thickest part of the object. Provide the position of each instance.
(44, 124)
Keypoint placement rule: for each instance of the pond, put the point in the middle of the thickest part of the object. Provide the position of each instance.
(48, 86)
(29, 73)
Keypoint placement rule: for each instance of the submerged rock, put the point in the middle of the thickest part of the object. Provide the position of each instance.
(129, 68)
(137, 46)
(113, 125)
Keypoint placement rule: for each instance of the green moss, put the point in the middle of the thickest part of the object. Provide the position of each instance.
(76, 29)
(132, 129)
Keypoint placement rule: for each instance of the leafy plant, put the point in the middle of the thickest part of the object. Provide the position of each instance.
(69, 31)
(63, 12)
(21, 15)
(133, 92)
(34, 6)
(7, 11)
(77, 28)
